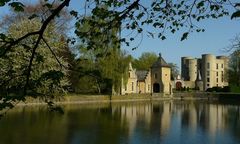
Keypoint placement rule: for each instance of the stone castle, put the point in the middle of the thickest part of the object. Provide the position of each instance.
(203, 73)
(197, 73)
(156, 80)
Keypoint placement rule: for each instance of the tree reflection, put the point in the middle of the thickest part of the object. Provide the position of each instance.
(142, 122)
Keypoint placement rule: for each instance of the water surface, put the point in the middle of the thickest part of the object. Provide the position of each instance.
(166, 122)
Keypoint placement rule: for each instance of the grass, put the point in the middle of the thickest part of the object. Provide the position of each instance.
(235, 89)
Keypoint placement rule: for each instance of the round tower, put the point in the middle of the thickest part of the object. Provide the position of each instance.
(208, 70)
(185, 67)
(192, 68)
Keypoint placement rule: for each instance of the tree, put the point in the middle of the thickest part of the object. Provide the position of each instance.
(174, 70)
(48, 67)
(164, 15)
(43, 65)
(145, 61)
(234, 62)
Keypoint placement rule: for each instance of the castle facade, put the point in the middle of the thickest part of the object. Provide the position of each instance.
(203, 73)
(156, 80)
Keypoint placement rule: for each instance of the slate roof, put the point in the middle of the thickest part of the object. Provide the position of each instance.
(160, 63)
(141, 75)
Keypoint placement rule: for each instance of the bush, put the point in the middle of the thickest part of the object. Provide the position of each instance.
(226, 89)
(219, 89)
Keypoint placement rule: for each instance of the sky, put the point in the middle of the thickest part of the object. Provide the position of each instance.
(216, 37)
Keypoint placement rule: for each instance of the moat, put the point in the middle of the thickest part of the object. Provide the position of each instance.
(166, 122)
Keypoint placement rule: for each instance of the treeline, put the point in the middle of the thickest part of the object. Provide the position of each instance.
(95, 64)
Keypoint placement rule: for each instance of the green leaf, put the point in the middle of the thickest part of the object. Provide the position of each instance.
(237, 5)
(17, 6)
(74, 13)
(48, 5)
(163, 37)
(200, 4)
(33, 16)
(3, 36)
(236, 14)
(184, 36)
(3, 2)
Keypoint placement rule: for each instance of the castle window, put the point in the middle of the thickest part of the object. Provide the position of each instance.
(217, 66)
(155, 75)
(222, 76)
(208, 73)
(216, 73)
(125, 87)
(222, 65)
(149, 87)
(132, 86)
(208, 65)
(208, 85)
(217, 80)
(129, 74)
(208, 79)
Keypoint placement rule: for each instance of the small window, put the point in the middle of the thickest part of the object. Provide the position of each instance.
(208, 85)
(125, 87)
(222, 65)
(217, 66)
(149, 87)
(208, 79)
(165, 74)
(216, 73)
(208, 73)
(208, 65)
(132, 86)
(129, 74)
(217, 80)
(155, 75)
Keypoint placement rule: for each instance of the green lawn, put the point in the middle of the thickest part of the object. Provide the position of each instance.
(235, 88)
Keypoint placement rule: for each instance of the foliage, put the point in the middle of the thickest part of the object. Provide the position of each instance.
(145, 61)
(46, 72)
(219, 89)
(174, 70)
(235, 88)
(234, 62)
(107, 19)
(22, 73)
(98, 74)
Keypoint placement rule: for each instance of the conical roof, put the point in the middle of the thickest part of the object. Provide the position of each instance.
(199, 78)
(160, 62)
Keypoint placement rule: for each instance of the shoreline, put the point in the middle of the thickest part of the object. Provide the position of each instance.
(93, 99)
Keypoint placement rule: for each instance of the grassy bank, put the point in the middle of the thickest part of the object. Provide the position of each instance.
(78, 98)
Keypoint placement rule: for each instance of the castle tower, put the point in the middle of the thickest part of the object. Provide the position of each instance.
(189, 68)
(161, 76)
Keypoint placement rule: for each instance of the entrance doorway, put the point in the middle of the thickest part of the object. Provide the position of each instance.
(156, 88)
(178, 85)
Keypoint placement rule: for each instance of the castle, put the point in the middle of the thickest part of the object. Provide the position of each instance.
(203, 73)
(197, 73)
(156, 80)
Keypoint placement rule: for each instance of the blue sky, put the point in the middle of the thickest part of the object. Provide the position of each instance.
(217, 36)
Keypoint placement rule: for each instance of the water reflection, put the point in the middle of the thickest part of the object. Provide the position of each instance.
(158, 122)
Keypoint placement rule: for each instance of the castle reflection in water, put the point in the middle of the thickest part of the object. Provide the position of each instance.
(126, 122)
(213, 118)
